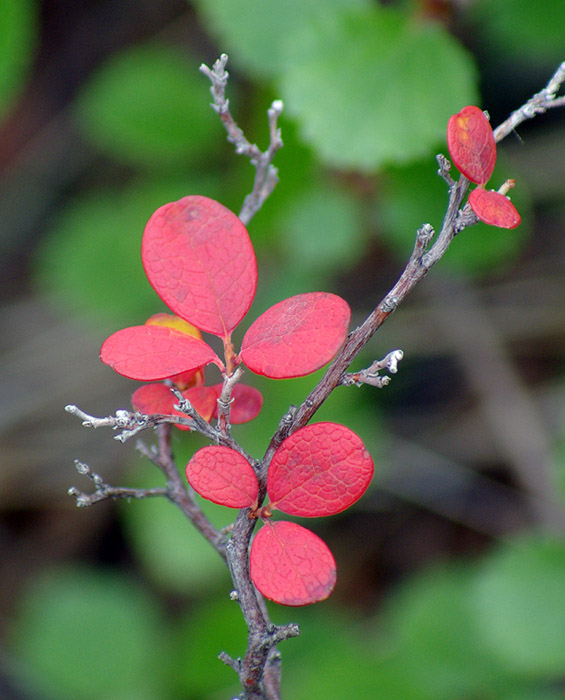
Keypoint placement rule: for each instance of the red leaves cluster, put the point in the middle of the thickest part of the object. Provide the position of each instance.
(472, 147)
(322, 469)
(198, 257)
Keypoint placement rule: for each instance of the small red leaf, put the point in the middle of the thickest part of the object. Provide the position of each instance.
(246, 402)
(297, 336)
(153, 398)
(223, 476)
(321, 469)
(203, 400)
(291, 565)
(494, 208)
(158, 398)
(193, 377)
(199, 259)
(471, 144)
(149, 353)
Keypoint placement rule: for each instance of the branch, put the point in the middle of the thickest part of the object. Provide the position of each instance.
(128, 422)
(225, 400)
(424, 256)
(266, 175)
(538, 104)
(371, 374)
(104, 491)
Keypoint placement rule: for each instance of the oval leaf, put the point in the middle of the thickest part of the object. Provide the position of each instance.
(153, 398)
(321, 469)
(494, 208)
(158, 398)
(149, 353)
(471, 144)
(199, 259)
(297, 336)
(291, 565)
(223, 476)
(246, 402)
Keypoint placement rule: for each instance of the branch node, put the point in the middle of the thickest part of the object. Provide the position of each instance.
(371, 375)
(389, 304)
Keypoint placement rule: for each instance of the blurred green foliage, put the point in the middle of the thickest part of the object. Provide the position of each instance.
(148, 106)
(368, 90)
(494, 631)
(17, 48)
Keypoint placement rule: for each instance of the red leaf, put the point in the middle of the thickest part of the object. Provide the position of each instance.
(158, 398)
(297, 336)
(193, 377)
(223, 476)
(153, 398)
(149, 353)
(291, 565)
(246, 402)
(321, 469)
(494, 208)
(471, 144)
(199, 259)
(203, 400)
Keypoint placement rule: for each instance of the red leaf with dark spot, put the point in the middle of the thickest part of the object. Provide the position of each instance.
(246, 402)
(223, 476)
(494, 208)
(320, 469)
(199, 259)
(471, 144)
(158, 398)
(297, 336)
(291, 565)
(150, 353)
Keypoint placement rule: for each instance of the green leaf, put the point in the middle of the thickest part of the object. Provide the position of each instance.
(252, 31)
(149, 105)
(17, 45)
(520, 606)
(84, 633)
(531, 32)
(175, 555)
(91, 260)
(207, 629)
(333, 658)
(374, 87)
(414, 195)
(323, 230)
(427, 629)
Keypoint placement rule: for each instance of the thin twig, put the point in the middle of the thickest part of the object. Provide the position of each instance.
(423, 257)
(538, 104)
(104, 491)
(266, 175)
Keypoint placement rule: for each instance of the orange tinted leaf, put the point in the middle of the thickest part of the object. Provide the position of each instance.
(223, 476)
(297, 336)
(291, 565)
(246, 402)
(175, 322)
(193, 377)
(150, 353)
(319, 470)
(471, 144)
(494, 208)
(199, 259)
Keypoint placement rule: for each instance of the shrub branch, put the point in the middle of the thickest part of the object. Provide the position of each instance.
(259, 668)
